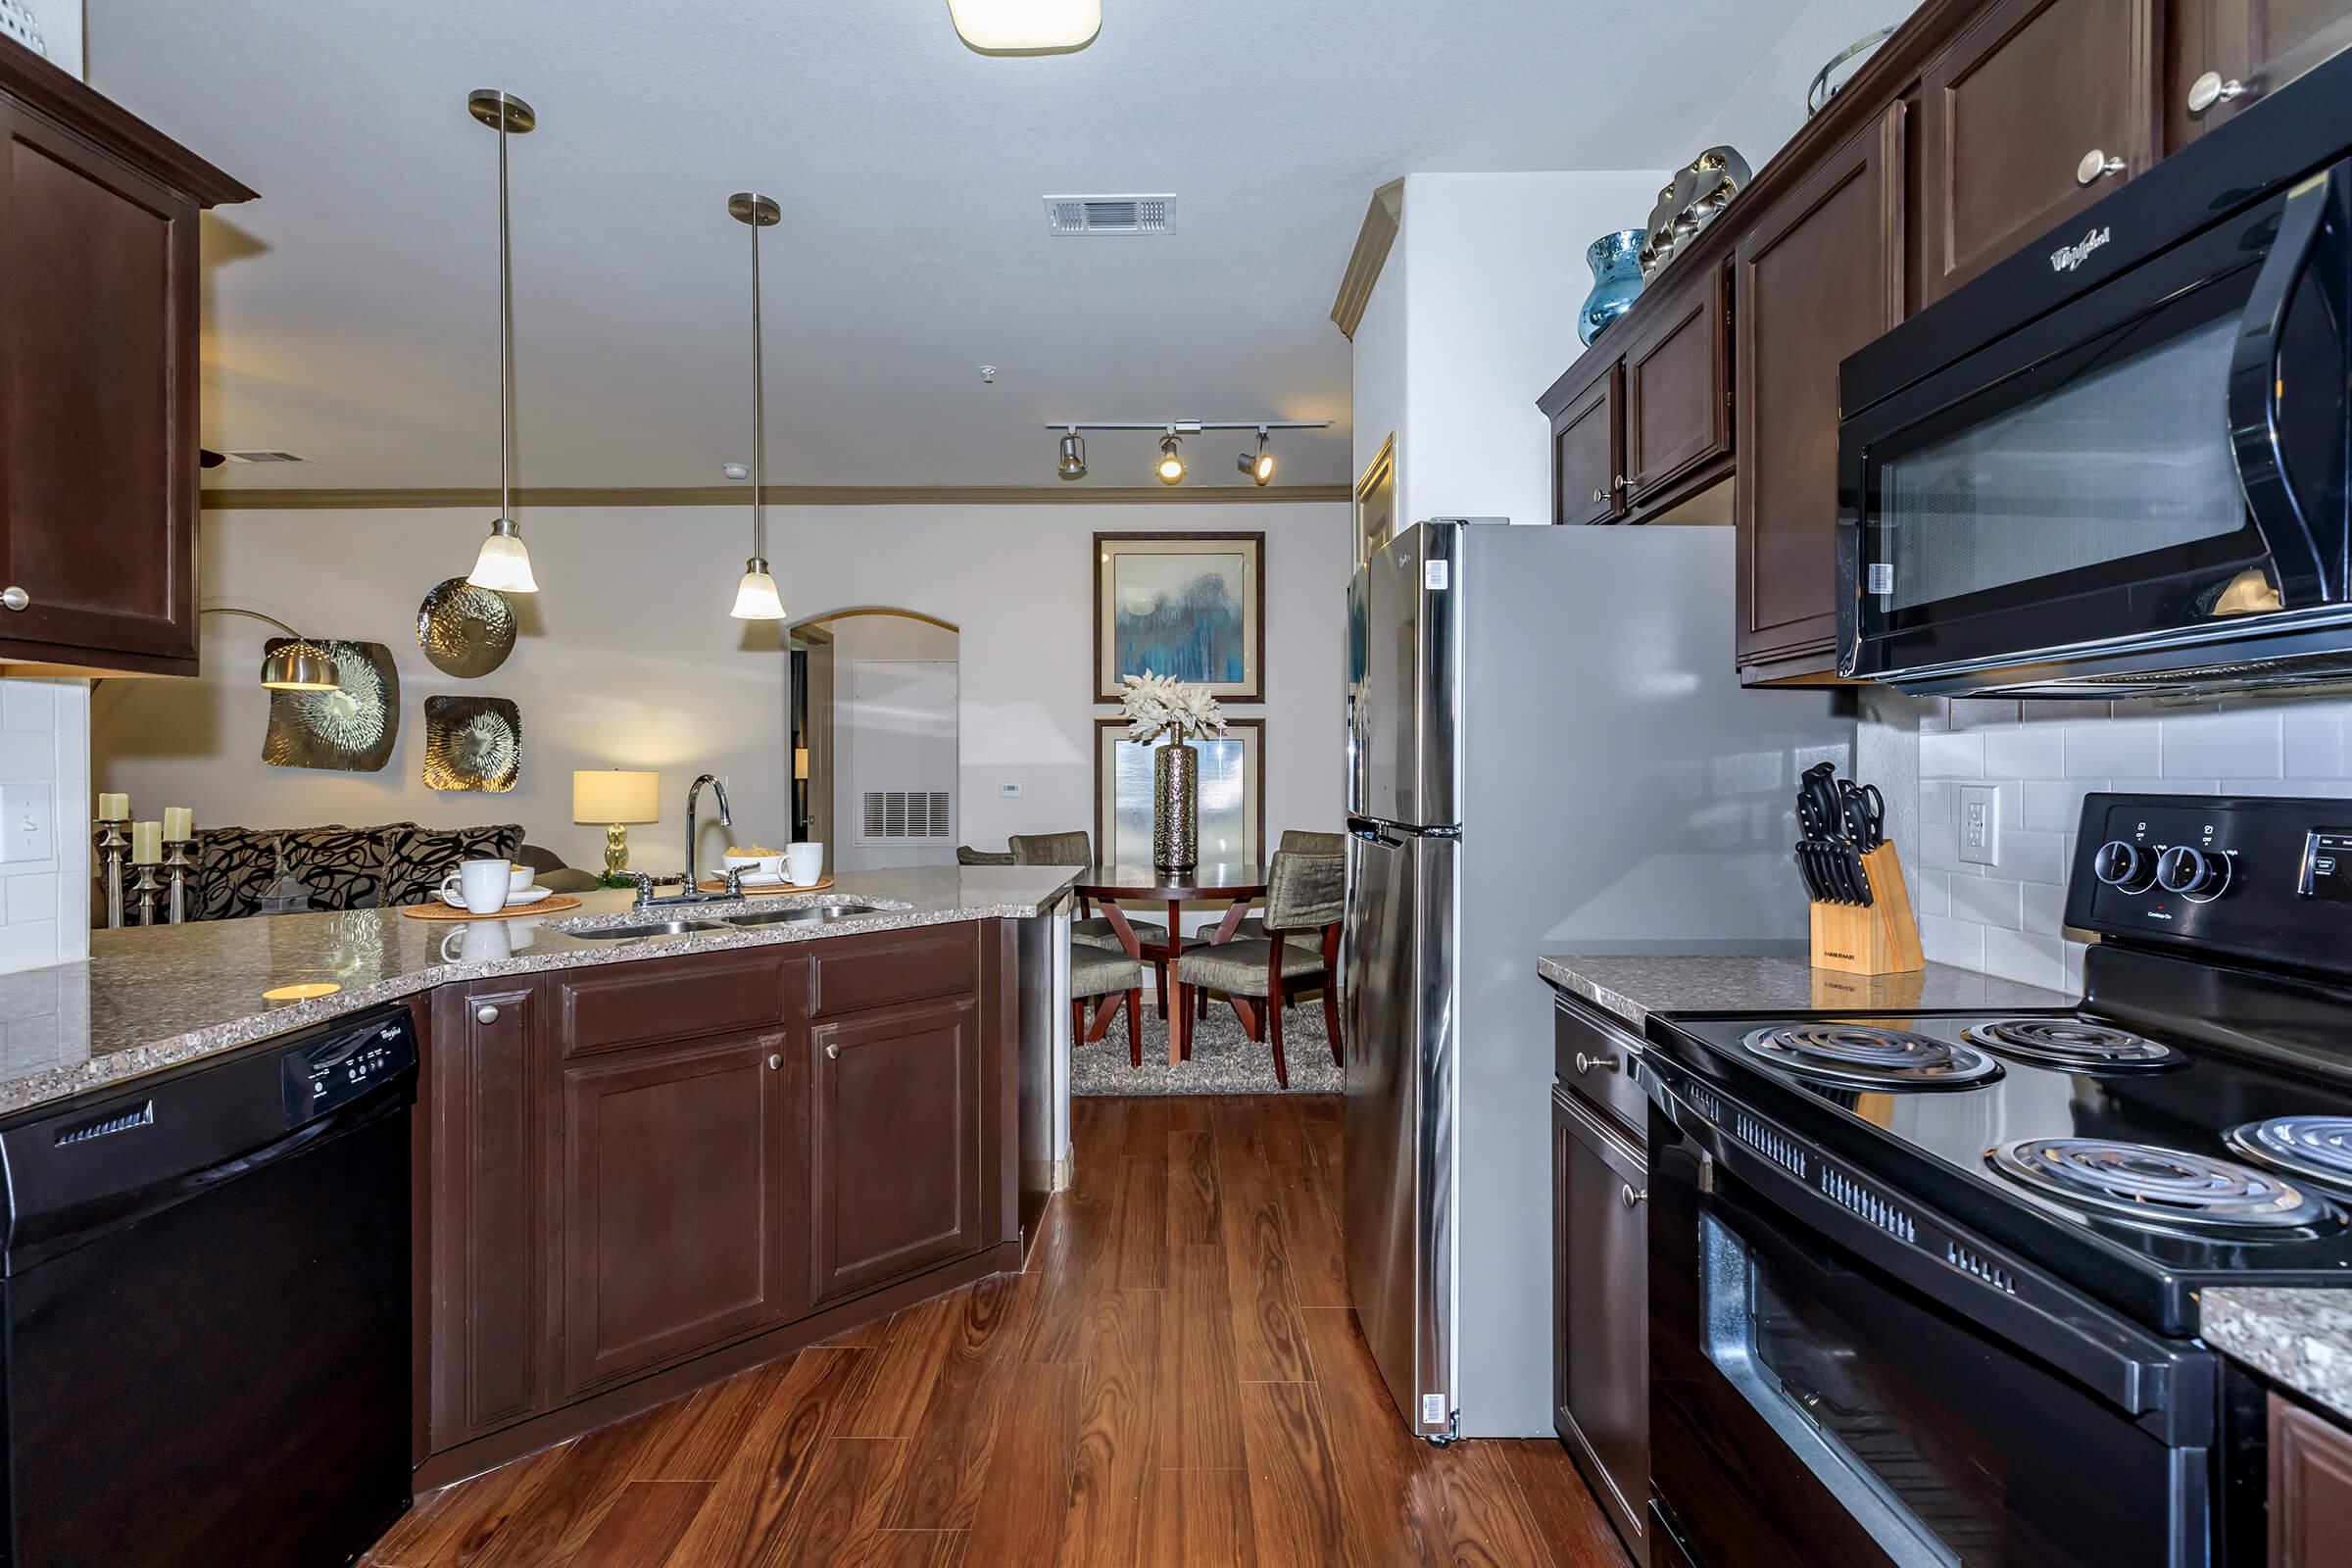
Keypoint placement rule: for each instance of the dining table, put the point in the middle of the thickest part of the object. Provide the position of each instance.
(1236, 884)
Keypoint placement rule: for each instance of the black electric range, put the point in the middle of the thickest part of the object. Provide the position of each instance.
(1925, 1287)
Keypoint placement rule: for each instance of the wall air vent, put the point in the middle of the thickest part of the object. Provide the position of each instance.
(892, 814)
(1110, 214)
(263, 457)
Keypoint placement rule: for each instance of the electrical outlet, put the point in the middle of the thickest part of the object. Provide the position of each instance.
(25, 822)
(1008, 792)
(1981, 824)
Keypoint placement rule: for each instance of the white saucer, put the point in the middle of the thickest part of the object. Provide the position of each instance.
(515, 900)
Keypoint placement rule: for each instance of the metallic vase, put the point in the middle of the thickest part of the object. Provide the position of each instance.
(1616, 263)
(1175, 807)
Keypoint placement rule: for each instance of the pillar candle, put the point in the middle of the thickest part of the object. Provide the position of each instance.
(113, 807)
(178, 825)
(146, 843)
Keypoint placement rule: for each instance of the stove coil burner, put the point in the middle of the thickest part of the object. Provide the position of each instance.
(2318, 1148)
(1867, 1056)
(2071, 1043)
(2160, 1189)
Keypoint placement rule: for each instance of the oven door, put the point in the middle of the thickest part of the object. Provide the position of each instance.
(1837, 1379)
(2108, 492)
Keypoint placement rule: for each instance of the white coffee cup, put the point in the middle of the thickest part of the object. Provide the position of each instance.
(804, 863)
(480, 885)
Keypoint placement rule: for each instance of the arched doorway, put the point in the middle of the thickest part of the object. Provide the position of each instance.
(874, 737)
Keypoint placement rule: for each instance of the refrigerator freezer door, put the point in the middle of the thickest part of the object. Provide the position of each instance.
(1406, 688)
(1396, 979)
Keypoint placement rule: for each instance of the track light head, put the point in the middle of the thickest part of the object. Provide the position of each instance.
(1073, 456)
(1258, 465)
(1171, 461)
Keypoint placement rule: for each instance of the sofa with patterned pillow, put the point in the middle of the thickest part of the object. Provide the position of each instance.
(243, 871)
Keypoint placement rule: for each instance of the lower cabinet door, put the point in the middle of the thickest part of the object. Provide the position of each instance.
(893, 1151)
(674, 1188)
(1601, 1305)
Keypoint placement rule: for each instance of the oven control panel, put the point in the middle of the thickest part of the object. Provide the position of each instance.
(2269, 878)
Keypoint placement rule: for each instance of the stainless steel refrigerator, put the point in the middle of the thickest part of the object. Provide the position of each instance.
(1548, 749)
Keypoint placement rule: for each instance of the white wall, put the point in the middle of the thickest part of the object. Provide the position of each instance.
(44, 743)
(1769, 107)
(897, 639)
(59, 22)
(1494, 274)
(628, 658)
(1378, 368)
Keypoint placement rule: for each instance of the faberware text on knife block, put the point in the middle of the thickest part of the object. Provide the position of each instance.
(1878, 937)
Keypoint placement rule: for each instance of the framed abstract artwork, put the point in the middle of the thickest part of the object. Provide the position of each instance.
(1188, 606)
(1233, 795)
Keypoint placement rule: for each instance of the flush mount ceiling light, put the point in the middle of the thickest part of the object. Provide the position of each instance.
(1073, 455)
(1259, 467)
(756, 596)
(504, 563)
(1170, 469)
(1026, 27)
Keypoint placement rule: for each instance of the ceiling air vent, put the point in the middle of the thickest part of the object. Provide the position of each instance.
(263, 457)
(1110, 214)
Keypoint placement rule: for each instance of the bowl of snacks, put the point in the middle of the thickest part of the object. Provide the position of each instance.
(758, 862)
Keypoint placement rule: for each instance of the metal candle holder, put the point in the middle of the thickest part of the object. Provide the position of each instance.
(112, 846)
(143, 893)
(177, 866)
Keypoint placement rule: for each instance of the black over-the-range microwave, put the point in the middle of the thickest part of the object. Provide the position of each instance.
(2116, 463)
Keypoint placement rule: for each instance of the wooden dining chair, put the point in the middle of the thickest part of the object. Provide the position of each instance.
(1305, 897)
(1105, 976)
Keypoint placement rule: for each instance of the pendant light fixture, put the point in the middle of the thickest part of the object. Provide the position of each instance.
(1260, 469)
(504, 563)
(1171, 460)
(756, 596)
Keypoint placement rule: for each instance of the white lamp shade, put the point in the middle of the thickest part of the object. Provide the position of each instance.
(503, 564)
(615, 795)
(1024, 27)
(755, 598)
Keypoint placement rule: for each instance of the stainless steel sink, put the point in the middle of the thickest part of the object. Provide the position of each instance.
(646, 928)
(804, 914)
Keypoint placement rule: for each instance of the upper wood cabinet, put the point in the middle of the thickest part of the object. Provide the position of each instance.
(2223, 56)
(2311, 1487)
(1587, 452)
(98, 333)
(1818, 275)
(2037, 110)
(1644, 419)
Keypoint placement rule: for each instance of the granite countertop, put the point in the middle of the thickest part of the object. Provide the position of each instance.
(2298, 1339)
(1634, 986)
(150, 998)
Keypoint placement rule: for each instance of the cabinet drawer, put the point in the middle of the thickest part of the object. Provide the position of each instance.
(634, 1004)
(853, 973)
(1594, 1058)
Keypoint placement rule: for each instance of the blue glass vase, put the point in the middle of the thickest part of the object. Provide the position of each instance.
(1616, 263)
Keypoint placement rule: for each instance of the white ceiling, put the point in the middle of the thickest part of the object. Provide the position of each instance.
(350, 312)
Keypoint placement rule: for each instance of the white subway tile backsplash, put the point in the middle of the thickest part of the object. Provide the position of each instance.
(2335, 788)
(31, 898)
(2031, 856)
(2113, 749)
(1983, 712)
(28, 705)
(1955, 755)
(2026, 752)
(1953, 942)
(1935, 893)
(2241, 742)
(44, 906)
(2038, 960)
(2045, 908)
(1988, 901)
(2314, 735)
(2055, 805)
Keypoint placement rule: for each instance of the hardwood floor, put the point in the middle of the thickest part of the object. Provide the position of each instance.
(1176, 1380)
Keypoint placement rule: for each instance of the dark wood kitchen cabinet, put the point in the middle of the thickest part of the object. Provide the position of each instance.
(1587, 452)
(1678, 389)
(98, 343)
(2221, 56)
(679, 1233)
(2311, 1487)
(1817, 275)
(2035, 111)
(893, 1144)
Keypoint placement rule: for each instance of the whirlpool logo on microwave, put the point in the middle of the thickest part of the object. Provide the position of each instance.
(2066, 258)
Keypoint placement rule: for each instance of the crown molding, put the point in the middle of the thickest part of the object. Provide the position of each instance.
(1382, 218)
(775, 495)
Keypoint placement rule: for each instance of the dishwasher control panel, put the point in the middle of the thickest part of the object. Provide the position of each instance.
(343, 1066)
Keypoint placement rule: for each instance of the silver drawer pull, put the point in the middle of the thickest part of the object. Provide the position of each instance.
(1585, 1063)
(13, 597)
(2095, 166)
(2210, 90)
(486, 1013)
(832, 1050)
(774, 1060)
(1631, 1198)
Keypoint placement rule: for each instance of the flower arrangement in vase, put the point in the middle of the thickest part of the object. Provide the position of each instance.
(1168, 711)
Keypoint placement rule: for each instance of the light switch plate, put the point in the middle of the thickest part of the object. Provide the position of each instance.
(1981, 824)
(27, 823)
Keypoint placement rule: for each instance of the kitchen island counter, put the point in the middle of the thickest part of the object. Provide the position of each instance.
(152, 998)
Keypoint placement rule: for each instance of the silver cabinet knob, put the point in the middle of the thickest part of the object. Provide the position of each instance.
(486, 1013)
(13, 597)
(1618, 482)
(2095, 166)
(2210, 90)
(1631, 1198)
(1598, 496)
(832, 1050)
(774, 1060)
(1585, 1063)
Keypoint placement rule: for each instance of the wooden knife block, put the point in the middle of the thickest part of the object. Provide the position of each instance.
(1875, 937)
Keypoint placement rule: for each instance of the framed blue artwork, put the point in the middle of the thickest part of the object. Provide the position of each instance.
(1188, 606)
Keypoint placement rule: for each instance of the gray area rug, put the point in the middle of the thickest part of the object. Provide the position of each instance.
(1225, 1061)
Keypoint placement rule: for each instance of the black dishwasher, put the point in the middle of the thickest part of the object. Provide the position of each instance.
(205, 1289)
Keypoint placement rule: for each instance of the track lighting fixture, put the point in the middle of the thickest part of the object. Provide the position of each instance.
(1260, 467)
(1171, 460)
(1073, 455)
(504, 563)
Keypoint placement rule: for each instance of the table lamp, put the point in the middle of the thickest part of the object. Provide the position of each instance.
(615, 797)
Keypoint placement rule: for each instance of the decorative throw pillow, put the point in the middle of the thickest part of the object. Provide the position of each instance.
(416, 858)
(233, 865)
(343, 867)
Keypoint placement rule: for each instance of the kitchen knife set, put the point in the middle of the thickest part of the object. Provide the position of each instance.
(1842, 821)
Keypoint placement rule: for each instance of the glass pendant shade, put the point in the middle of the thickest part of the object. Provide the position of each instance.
(756, 596)
(300, 666)
(1026, 27)
(504, 563)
